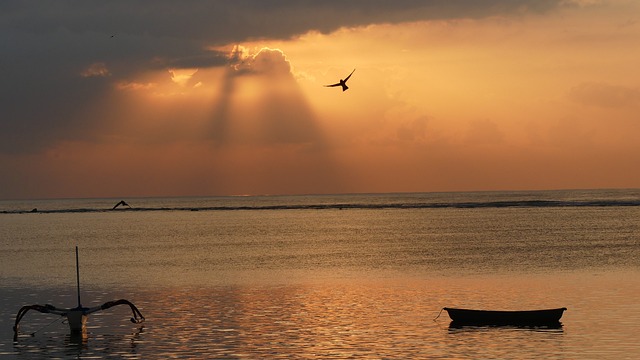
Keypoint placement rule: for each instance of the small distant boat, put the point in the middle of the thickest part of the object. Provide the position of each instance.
(495, 317)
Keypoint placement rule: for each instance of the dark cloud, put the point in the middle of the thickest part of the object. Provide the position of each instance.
(198, 60)
(50, 79)
(225, 22)
(268, 62)
(49, 48)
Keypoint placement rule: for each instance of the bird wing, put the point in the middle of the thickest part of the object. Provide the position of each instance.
(347, 78)
(337, 84)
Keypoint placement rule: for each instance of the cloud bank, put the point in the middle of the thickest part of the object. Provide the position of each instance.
(59, 58)
(223, 22)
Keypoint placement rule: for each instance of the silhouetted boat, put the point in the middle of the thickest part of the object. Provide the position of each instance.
(494, 317)
(77, 316)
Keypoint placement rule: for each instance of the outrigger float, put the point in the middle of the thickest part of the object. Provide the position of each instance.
(77, 316)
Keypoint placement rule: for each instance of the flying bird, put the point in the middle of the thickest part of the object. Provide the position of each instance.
(342, 83)
(123, 203)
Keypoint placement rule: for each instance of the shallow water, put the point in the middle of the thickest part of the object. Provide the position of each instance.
(363, 282)
(391, 318)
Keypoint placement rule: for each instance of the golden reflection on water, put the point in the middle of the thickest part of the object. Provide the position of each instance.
(305, 321)
(386, 318)
(390, 318)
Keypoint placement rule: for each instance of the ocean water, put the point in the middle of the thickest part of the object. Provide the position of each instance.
(341, 276)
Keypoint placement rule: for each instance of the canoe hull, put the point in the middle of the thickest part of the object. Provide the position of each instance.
(492, 317)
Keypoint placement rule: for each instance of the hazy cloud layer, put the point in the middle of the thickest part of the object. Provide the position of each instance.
(605, 95)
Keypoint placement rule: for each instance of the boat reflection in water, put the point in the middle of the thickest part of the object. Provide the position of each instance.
(458, 327)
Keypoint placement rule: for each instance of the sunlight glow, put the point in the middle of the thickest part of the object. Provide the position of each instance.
(98, 69)
(182, 76)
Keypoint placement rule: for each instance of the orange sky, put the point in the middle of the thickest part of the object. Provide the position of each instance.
(520, 101)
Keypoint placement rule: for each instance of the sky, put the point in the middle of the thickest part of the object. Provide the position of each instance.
(193, 98)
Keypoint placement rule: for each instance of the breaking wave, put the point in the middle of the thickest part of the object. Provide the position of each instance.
(355, 205)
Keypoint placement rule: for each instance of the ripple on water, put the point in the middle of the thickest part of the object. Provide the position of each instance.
(392, 318)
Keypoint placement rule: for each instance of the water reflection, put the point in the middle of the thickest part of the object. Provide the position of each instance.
(86, 344)
(75, 343)
(458, 327)
(508, 342)
(390, 318)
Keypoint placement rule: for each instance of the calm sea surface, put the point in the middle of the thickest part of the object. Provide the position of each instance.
(344, 276)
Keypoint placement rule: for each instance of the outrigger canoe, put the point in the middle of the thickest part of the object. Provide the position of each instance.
(494, 317)
(76, 317)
